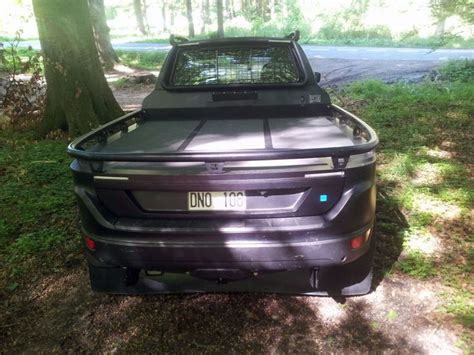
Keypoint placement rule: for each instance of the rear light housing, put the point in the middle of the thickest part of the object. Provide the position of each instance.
(90, 243)
(361, 240)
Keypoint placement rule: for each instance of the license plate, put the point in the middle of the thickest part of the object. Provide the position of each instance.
(217, 201)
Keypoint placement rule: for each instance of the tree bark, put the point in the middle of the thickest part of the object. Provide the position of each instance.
(189, 15)
(102, 34)
(137, 7)
(78, 97)
(205, 14)
(220, 19)
(145, 16)
(440, 27)
(163, 16)
(231, 9)
(172, 10)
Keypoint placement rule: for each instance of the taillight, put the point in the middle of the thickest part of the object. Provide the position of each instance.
(360, 240)
(90, 243)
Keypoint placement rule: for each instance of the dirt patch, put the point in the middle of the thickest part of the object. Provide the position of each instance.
(130, 98)
(337, 72)
(59, 313)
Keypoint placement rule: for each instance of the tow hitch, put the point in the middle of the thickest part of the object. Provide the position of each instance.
(314, 278)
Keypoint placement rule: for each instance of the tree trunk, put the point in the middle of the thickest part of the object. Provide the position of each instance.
(78, 97)
(102, 34)
(189, 15)
(145, 16)
(172, 10)
(163, 16)
(206, 15)
(440, 27)
(220, 19)
(231, 8)
(137, 7)
(273, 9)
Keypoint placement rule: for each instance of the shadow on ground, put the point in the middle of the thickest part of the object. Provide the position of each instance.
(60, 313)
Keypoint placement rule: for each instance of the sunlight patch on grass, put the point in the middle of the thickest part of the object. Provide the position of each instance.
(421, 241)
(427, 203)
(438, 153)
(427, 174)
(397, 165)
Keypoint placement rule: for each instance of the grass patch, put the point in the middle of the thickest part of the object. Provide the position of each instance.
(120, 83)
(142, 60)
(38, 217)
(22, 56)
(458, 70)
(424, 172)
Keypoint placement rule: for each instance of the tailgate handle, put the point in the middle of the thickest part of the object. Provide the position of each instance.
(234, 96)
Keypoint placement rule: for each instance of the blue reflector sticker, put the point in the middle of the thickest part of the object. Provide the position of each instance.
(323, 198)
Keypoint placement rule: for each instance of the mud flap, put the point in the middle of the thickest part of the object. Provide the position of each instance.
(112, 279)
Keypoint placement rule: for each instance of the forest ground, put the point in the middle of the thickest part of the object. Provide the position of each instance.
(422, 293)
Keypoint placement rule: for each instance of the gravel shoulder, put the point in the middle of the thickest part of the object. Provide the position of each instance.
(338, 72)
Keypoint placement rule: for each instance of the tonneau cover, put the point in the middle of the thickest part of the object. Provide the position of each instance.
(218, 135)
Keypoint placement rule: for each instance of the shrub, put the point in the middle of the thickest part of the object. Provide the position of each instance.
(458, 70)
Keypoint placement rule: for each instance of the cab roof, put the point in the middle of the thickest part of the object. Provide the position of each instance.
(183, 41)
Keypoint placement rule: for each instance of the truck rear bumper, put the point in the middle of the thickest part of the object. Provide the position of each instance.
(318, 267)
(183, 253)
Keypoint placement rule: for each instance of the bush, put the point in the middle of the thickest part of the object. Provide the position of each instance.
(458, 70)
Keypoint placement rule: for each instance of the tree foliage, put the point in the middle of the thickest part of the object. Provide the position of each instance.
(442, 9)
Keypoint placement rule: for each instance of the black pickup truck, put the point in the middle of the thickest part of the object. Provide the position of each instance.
(238, 174)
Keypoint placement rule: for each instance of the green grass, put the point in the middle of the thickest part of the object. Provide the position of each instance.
(22, 57)
(142, 60)
(120, 83)
(38, 215)
(425, 132)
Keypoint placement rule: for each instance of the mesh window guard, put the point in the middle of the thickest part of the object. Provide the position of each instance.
(235, 65)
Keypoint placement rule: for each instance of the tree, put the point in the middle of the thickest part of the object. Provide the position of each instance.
(189, 15)
(443, 9)
(220, 19)
(78, 97)
(140, 16)
(163, 16)
(102, 34)
(205, 15)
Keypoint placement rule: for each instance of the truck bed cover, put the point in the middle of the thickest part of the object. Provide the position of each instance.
(167, 136)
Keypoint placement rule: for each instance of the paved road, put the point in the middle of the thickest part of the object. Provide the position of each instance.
(327, 52)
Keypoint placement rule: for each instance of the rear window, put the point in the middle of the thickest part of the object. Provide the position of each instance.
(235, 65)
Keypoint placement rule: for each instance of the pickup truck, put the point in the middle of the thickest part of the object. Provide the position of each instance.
(237, 175)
